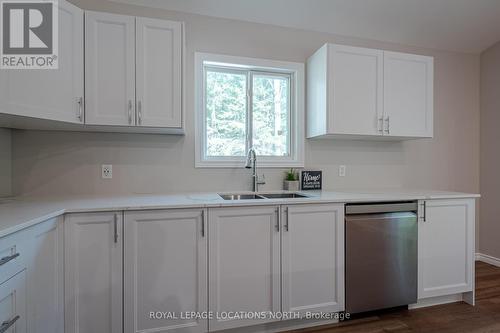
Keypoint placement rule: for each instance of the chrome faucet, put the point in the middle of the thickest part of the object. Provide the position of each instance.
(251, 164)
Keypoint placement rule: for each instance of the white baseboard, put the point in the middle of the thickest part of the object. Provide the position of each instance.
(431, 301)
(488, 259)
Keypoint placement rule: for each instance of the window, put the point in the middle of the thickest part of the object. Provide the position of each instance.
(244, 103)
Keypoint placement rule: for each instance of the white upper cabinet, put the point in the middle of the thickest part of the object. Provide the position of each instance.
(408, 94)
(353, 83)
(159, 72)
(358, 92)
(360, 69)
(55, 94)
(130, 69)
(133, 71)
(109, 69)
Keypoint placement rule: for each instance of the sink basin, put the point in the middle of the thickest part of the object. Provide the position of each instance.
(282, 195)
(251, 196)
(240, 196)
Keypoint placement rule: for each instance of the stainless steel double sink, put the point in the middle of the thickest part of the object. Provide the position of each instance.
(252, 196)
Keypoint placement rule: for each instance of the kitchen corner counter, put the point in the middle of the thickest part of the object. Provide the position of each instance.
(22, 212)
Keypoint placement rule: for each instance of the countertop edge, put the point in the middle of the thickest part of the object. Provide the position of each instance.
(29, 223)
(375, 197)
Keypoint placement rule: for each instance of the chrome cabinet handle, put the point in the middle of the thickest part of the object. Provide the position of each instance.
(277, 219)
(380, 125)
(202, 223)
(286, 224)
(5, 260)
(139, 112)
(8, 324)
(388, 129)
(424, 213)
(130, 112)
(115, 226)
(79, 100)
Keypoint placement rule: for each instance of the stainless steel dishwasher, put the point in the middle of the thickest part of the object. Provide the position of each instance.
(381, 255)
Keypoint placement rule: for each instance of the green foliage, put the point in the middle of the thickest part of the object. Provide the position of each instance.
(291, 175)
(270, 116)
(226, 114)
(226, 108)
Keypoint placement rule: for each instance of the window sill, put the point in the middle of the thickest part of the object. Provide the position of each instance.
(241, 164)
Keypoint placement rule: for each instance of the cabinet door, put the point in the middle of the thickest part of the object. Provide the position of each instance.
(159, 69)
(13, 304)
(408, 95)
(355, 90)
(165, 270)
(445, 247)
(109, 69)
(45, 278)
(244, 270)
(52, 94)
(313, 258)
(14, 252)
(93, 273)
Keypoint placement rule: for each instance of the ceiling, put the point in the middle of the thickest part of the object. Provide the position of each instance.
(457, 25)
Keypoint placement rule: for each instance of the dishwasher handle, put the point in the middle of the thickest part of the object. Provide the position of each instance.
(391, 207)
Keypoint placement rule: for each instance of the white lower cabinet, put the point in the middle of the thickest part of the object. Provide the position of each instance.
(14, 253)
(166, 262)
(13, 318)
(446, 247)
(165, 270)
(79, 275)
(227, 262)
(93, 273)
(313, 258)
(45, 278)
(31, 284)
(244, 264)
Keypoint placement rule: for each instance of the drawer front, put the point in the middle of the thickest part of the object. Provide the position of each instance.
(13, 304)
(12, 255)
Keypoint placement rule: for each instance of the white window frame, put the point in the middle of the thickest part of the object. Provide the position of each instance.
(297, 118)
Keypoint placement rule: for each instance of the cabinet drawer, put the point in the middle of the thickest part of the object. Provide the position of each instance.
(13, 304)
(12, 255)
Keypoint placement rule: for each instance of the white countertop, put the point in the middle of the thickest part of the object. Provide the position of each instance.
(22, 212)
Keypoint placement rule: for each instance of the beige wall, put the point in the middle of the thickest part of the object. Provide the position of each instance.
(5, 163)
(490, 152)
(69, 163)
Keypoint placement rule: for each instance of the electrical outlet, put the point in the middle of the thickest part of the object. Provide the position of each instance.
(107, 171)
(342, 170)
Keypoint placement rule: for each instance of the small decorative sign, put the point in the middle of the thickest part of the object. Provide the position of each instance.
(311, 180)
